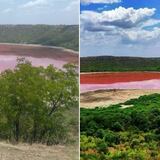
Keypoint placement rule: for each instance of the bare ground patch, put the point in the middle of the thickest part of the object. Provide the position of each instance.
(105, 98)
(37, 152)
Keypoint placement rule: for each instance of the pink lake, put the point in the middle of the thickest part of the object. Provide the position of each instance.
(148, 84)
(37, 54)
(9, 62)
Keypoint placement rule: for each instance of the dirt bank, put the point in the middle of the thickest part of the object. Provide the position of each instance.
(105, 98)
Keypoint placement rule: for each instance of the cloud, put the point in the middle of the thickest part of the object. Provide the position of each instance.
(100, 1)
(129, 24)
(119, 31)
(119, 17)
(34, 3)
(140, 35)
(150, 23)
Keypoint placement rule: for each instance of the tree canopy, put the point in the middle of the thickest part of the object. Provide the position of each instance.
(121, 133)
(31, 100)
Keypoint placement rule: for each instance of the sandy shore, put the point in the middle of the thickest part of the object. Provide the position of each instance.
(105, 98)
(39, 45)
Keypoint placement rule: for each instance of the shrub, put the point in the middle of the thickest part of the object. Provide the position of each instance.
(32, 101)
(100, 133)
(111, 138)
(117, 127)
(101, 147)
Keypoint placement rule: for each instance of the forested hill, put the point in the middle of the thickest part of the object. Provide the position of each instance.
(111, 63)
(52, 35)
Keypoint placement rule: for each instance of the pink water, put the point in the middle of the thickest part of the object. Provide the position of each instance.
(149, 84)
(9, 62)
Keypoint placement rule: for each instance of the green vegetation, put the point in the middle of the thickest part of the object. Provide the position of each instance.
(110, 63)
(122, 133)
(59, 35)
(35, 103)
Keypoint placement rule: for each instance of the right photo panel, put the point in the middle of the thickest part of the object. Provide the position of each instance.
(120, 80)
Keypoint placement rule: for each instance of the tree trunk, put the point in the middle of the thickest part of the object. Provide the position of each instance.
(34, 131)
(17, 130)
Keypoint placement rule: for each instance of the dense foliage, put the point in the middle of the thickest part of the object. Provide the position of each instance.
(59, 35)
(128, 131)
(109, 63)
(34, 102)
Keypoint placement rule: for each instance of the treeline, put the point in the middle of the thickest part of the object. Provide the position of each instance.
(125, 131)
(110, 63)
(52, 35)
(34, 102)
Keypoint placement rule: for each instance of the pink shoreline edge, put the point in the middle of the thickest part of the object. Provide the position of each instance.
(148, 84)
(9, 62)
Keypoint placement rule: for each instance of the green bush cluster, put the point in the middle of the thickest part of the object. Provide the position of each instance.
(115, 133)
(33, 101)
(113, 64)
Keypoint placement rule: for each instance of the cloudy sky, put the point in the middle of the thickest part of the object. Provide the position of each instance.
(120, 28)
(39, 11)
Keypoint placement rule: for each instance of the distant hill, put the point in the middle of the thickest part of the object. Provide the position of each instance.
(111, 63)
(58, 35)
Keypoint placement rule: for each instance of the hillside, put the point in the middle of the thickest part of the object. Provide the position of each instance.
(111, 63)
(127, 130)
(59, 35)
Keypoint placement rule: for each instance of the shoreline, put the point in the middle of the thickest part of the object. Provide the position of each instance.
(105, 98)
(38, 51)
(40, 45)
(90, 73)
(141, 85)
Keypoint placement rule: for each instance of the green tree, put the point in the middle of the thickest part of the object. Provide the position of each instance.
(31, 99)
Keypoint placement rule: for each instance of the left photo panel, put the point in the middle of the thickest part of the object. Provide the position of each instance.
(39, 80)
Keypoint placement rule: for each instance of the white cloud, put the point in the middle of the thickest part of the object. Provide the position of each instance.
(127, 23)
(100, 1)
(119, 17)
(120, 31)
(140, 35)
(151, 22)
(34, 3)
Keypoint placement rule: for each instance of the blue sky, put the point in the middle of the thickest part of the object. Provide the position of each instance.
(39, 11)
(120, 28)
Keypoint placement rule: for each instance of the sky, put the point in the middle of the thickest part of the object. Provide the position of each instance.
(120, 28)
(39, 12)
